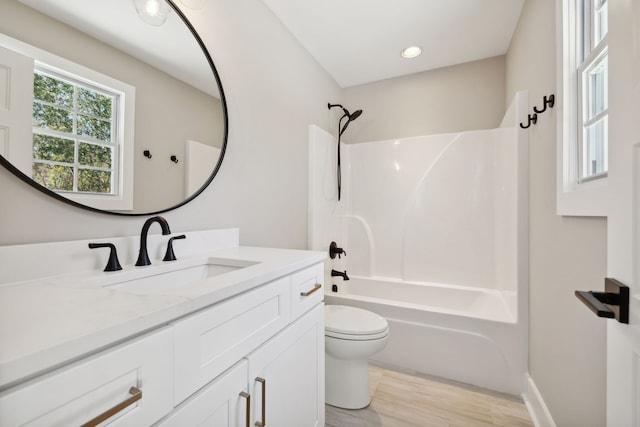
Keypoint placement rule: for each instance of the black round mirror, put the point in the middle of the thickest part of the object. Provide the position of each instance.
(114, 106)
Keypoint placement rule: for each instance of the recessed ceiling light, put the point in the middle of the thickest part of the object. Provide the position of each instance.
(411, 52)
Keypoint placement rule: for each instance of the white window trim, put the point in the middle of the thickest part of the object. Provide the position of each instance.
(572, 198)
(123, 200)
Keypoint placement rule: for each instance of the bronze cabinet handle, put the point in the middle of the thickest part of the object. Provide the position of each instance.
(248, 412)
(136, 394)
(263, 423)
(315, 288)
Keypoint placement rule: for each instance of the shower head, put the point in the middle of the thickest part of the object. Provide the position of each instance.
(355, 115)
(350, 118)
(347, 114)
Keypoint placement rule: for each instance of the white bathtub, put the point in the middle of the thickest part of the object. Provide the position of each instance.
(428, 211)
(460, 333)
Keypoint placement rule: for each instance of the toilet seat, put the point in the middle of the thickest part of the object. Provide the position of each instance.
(351, 323)
(351, 336)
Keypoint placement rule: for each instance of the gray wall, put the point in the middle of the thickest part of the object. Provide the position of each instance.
(566, 341)
(452, 99)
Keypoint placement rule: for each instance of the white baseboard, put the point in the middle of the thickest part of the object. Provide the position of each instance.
(538, 411)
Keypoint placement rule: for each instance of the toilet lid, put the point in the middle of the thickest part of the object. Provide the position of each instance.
(345, 320)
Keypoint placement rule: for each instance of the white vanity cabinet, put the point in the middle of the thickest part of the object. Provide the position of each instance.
(286, 375)
(131, 385)
(194, 357)
(282, 383)
(282, 358)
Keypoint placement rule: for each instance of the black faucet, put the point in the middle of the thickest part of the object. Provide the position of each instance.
(335, 273)
(143, 256)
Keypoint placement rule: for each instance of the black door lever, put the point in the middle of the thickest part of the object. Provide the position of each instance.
(612, 303)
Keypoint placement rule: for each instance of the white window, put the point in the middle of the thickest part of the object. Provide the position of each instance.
(75, 138)
(583, 124)
(83, 130)
(593, 90)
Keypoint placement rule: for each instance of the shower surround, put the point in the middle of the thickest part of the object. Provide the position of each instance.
(435, 233)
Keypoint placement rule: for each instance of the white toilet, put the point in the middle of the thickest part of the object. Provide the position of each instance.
(351, 336)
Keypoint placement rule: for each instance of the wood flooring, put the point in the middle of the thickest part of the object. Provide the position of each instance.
(402, 400)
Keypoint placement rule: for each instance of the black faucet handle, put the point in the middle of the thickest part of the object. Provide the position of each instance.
(112, 264)
(170, 255)
(335, 250)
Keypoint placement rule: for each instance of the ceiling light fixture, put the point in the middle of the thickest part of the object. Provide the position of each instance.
(153, 12)
(411, 52)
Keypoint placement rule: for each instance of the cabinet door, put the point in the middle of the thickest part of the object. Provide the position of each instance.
(222, 403)
(135, 378)
(286, 375)
(211, 341)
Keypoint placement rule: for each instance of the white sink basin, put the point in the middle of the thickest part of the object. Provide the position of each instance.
(166, 278)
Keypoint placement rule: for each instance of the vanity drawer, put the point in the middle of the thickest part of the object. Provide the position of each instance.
(211, 341)
(306, 289)
(76, 394)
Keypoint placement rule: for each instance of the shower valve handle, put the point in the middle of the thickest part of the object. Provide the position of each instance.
(335, 250)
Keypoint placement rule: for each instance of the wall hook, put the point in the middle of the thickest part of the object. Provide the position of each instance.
(546, 101)
(174, 159)
(147, 154)
(533, 118)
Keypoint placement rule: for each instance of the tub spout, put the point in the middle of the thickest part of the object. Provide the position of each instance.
(335, 273)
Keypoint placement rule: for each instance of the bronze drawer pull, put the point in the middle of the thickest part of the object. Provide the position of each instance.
(248, 414)
(136, 394)
(315, 288)
(263, 423)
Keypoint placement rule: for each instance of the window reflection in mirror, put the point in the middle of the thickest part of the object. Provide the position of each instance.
(175, 114)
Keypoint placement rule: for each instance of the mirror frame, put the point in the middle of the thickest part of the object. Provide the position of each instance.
(223, 148)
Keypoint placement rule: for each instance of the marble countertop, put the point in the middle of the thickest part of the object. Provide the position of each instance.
(47, 322)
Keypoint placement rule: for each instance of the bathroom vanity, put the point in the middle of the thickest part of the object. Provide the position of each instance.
(230, 336)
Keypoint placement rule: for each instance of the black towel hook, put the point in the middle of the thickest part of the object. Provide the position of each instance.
(533, 118)
(546, 101)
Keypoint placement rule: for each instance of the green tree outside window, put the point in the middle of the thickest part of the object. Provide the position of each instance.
(73, 147)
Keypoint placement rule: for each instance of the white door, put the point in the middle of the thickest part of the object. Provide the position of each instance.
(201, 159)
(16, 94)
(623, 341)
